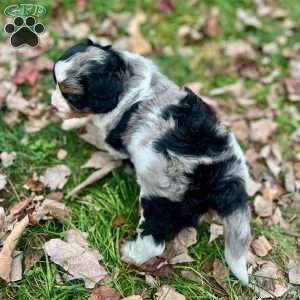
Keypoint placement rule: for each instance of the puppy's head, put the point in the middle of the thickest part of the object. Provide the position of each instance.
(88, 79)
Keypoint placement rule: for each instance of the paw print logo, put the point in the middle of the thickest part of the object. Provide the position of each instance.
(24, 32)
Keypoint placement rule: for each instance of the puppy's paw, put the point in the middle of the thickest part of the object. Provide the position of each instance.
(141, 250)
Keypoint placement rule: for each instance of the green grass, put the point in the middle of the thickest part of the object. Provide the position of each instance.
(94, 210)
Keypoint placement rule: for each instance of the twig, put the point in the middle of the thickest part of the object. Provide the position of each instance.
(9, 247)
(97, 175)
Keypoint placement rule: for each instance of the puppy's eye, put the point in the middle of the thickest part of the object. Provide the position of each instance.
(75, 101)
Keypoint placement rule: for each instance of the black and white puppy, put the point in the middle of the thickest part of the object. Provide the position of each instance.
(186, 160)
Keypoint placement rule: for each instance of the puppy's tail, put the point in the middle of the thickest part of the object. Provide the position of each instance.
(237, 238)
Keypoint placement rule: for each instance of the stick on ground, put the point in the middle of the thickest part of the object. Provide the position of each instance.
(97, 175)
(9, 247)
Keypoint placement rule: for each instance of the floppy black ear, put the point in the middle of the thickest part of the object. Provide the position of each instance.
(105, 83)
(103, 92)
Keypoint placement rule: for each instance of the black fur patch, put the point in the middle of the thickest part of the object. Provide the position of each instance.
(101, 85)
(114, 138)
(208, 188)
(195, 132)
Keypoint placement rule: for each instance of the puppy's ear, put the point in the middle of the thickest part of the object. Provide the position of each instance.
(105, 83)
(103, 91)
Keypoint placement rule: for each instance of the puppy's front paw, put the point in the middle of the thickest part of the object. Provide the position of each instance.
(141, 250)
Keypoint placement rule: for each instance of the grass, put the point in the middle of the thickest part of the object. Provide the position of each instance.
(96, 208)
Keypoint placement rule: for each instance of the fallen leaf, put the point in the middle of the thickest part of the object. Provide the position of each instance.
(261, 246)
(246, 18)
(3, 181)
(137, 42)
(20, 206)
(98, 160)
(7, 158)
(262, 130)
(211, 26)
(104, 293)
(278, 219)
(177, 249)
(50, 208)
(215, 230)
(34, 185)
(157, 266)
(77, 258)
(289, 178)
(167, 293)
(34, 252)
(253, 187)
(294, 272)
(55, 177)
(267, 278)
(293, 88)
(220, 272)
(262, 207)
(133, 297)
(165, 6)
(6, 253)
(237, 49)
(119, 221)
(240, 129)
(16, 266)
(29, 70)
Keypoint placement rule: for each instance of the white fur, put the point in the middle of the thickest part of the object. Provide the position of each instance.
(61, 68)
(142, 249)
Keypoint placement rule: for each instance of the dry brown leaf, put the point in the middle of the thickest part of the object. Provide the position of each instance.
(104, 293)
(211, 26)
(6, 254)
(156, 266)
(289, 178)
(34, 185)
(294, 272)
(119, 221)
(261, 246)
(269, 281)
(165, 6)
(297, 170)
(177, 249)
(19, 206)
(220, 272)
(137, 42)
(76, 257)
(237, 49)
(7, 158)
(50, 208)
(247, 18)
(168, 293)
(55, 177)
(262, 207)
(253, 187)
(133, 297)
(98, 160)
(293, 88)
(262, 130)
(16, 266)
(3, 181)
(278, 219)
(240, 129)
(215, 230)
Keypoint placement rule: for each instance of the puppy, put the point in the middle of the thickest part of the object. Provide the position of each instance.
(186, 160)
